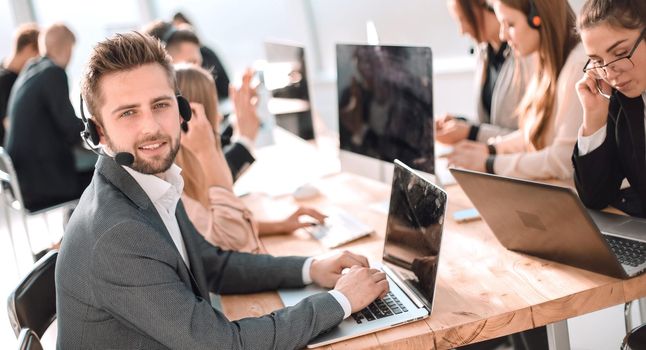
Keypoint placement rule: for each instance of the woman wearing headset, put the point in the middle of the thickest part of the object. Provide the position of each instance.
(611, 141)
(210, 203)
(549, 113)
(497, 69)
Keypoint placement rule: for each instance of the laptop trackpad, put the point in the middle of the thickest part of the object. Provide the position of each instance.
(633, 226)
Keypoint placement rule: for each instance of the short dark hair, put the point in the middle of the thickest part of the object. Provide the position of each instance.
(26, 36)
(630, 14)
(122, 52)
(169, 35)
(180, 17)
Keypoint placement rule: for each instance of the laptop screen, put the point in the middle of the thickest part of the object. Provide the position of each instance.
(414, 229)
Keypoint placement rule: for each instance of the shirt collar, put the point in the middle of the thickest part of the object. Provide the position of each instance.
(157, 188)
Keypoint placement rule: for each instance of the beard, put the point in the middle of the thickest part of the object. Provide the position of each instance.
(155, 165)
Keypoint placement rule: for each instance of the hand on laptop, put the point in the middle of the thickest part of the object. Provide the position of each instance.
(326, 272)
(362, 286)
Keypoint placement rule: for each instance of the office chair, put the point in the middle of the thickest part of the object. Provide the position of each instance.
(12, 199)
(635, 339)
(33, 303)
(28, 340)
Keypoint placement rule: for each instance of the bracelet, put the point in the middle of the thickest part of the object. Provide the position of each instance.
(489, 164)
(473, 132)
(492, 149)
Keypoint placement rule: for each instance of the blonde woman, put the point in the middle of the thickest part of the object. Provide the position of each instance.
(549, 113)
(216, 212)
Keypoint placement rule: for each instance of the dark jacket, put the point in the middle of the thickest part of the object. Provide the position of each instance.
(43, 130)
(598, 174)
(121, 283)
(238, 158)
(7, 79)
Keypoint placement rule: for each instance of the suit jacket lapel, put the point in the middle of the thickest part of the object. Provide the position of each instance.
(192, 249)
(120, 178)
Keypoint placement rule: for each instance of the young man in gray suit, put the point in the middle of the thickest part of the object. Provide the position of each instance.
(133, 273)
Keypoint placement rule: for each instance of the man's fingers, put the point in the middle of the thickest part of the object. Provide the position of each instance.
(358, 259)
(384, 287)
(378, 276)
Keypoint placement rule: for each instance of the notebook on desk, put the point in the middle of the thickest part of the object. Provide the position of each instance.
(410, 260)
(551, 222)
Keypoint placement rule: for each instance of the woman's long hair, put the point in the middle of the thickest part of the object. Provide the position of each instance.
(558, 37)
(196, 85)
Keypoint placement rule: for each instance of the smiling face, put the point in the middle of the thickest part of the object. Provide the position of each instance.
(139, 115)
(515, 30)
(605, 43)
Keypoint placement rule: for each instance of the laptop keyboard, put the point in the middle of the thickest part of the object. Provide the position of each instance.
(628, 251)
(380, 308)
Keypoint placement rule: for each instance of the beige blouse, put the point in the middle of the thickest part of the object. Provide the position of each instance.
(226, 223)
(515, 158)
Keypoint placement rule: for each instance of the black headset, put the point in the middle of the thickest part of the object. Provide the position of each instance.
(91, 134)
(168, 34)
(533, 18)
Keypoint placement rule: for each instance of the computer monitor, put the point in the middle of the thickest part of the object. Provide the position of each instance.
(285, 76)
(385, 103)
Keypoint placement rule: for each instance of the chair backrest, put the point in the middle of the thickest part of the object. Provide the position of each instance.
(28, 340)
(10, 188)
(33, 303)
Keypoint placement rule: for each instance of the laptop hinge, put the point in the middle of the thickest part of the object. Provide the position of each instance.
(404, 287)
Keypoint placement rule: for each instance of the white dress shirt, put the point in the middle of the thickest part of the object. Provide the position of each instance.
(165, 194)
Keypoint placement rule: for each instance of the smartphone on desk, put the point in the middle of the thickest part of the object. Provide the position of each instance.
(466, 215)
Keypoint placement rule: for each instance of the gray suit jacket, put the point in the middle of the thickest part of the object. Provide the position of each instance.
(122, 284)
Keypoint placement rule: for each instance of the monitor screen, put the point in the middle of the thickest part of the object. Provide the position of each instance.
(286, 77)
(414, 229)
(385, 106)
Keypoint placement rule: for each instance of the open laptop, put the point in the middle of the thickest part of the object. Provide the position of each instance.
(410, 260)
(550, 222)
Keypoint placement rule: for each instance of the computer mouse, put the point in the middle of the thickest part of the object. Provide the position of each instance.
(306, 191)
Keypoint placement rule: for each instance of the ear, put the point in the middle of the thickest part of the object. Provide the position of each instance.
(101, 132)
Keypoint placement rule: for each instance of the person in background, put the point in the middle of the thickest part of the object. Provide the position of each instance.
(24, 48)
(220, 216)
(497, 97)
(549, 113)
(43, 127)
(184, 47)
(611, 141)
(210, 60)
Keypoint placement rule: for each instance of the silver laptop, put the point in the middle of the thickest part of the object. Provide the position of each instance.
(410, 260)
(551, 222)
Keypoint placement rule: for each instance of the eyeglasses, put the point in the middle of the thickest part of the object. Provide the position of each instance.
(622, 64)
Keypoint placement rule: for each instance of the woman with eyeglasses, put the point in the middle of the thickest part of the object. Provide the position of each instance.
(549, 113)
(611, 146)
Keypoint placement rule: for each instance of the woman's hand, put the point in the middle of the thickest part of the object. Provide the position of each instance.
(469, 155)
(595, 104)
(247, 122)
(200, 137)
(450, 130)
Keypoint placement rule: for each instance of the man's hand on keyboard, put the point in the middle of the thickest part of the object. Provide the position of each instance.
(362, 286)
(326, 272)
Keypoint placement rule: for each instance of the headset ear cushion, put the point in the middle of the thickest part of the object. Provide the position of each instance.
(92, 132)
(184, 108)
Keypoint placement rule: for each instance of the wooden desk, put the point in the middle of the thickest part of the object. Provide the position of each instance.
(484, 291)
